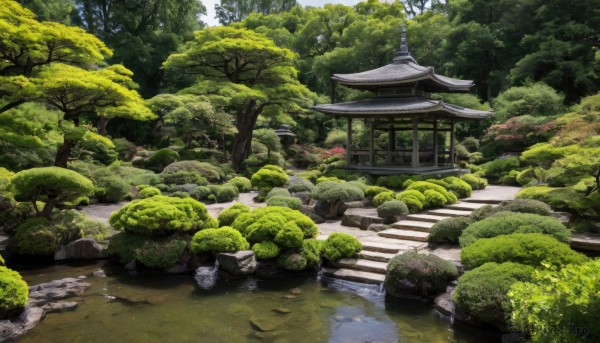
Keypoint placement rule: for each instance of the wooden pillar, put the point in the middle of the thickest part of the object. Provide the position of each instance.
(452, 144)
(415, 145)
(349, 140)
(371, 143)
(333, 89)
(391, 143)
(435, 143)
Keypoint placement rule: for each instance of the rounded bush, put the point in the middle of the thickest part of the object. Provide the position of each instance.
(265, 250)
(290, 236)
(474, 181)
(293, 261)
(311, 251)
(301, 186)
(526, 248)
(372, 191)
(458, 186)
(148, 192)
(335, 193)
(242, 184)
(268, 177)
(504, 223)
(434, 198)
(36, 237)
(275, 219)
(291, 202)
(439, 182)
(228, 215)
(482, 292)
(392, 208)
(225, 193)
(208, 171)
(111, 189)
(383, 197)
(183, 177)
(526, 176)
(412, 272)
(423, 186)
(14, 292)
(224, 239)
(152, 252)
(414, 200)
(161, 158)
(517, 205)
(339, 245)
(162, 214)
(449, 230)
(278, 192)
(396, 181)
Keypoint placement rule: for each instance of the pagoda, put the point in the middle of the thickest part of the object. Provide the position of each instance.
(403, 103)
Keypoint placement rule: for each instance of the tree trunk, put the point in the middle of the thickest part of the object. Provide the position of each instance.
(102, 122)
(62, 155)
(242, 142)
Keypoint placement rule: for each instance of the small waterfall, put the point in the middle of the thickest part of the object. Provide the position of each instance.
(206, 277)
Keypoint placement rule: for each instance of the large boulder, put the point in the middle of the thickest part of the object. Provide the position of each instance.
(238, 263)
(81, 249)
(361, 217)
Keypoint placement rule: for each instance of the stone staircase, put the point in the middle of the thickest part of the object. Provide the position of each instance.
(410, 233)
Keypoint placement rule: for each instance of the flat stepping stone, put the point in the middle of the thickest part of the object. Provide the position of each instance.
(405, 234)
(364, 265)
(424, 217)
(412, 225)
(483, 201)
(402, 244)
(449, 212)
(465, 206)
(361, 217)
(375, 256)
(354, 275)
(387, 248)
(586, 241)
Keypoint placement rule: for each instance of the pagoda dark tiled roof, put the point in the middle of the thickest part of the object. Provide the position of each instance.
(403, 72)
(400, 107)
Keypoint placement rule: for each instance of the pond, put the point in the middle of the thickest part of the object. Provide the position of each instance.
(130, 308)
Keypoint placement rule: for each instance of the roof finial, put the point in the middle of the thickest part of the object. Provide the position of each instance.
(403, 55)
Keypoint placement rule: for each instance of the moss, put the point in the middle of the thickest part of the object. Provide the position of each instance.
(449, 230)
(265, 250)
(228, 215)
(148, 192)
(36, 237)
(526, 248)
(339, 245)
(224, 239)
(290, 236)
(291, 202)
(292, 261)
(242, 184)
(161, 253)
(246, 223)
(14, 292)
(161, 214)
(392, 208)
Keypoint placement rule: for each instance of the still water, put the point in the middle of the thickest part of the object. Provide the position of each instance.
(130, 308)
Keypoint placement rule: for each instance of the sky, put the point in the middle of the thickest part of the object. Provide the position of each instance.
(210, 7)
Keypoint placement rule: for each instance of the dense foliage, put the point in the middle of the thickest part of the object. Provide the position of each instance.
(14, 292)
(339, 245)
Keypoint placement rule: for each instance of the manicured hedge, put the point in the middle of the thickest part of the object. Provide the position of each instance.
(228, 215)
(339, 245)
(14, 292)
(449, 230)
(392, 208)
(223, 239)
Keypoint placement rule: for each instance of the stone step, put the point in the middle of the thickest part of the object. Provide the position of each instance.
(449, 213)
(364, 265)
(482, 201)
(402, 245)
(405, 234)
(354, 275)
(412, 225)
(375, 256)
(424, 217)
(381, 247)
(465, 206)
(586, 241)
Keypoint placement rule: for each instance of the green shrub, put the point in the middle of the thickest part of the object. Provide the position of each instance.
(311, 251)
(517, 205)
(2, 262)
(555, 303)
(224, 193)
(500, 167)
(278, 192)
(14, 292)
(51, 185)
(510, 179)
(360, 184)
(328, 178)
(265, 250)
(449, 230)
(243, 184)
(36, 237)
(339, 245)
(160, 159)
(111, 189)
(148, 192)
(228, 215)
(476, 182)
(268, 177)
(161, 214)
(293, 261)
(291, 202)
(420, 273)
(224, 239)
(336, 193)
(152, 252)
(504, 223)
(383, 197)
(15, 215)
(526, 176)
(290, 236)
(423, 186)
(183, 177)
(396, 181)
(208, 171)
(372, 191)
(482, 292)
(524, 248)
(434, 198)
(458, 186)
(439, 182)
(414, 200)
(392, 209)
(301, 186)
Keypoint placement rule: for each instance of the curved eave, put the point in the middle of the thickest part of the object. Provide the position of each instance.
(381, 77)
(406, 107)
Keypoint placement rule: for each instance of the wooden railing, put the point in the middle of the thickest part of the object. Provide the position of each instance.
(402, 157)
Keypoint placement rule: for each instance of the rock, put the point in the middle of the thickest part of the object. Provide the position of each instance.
(304, 196)
(281, 310)
(61, 306)
(262, 324)
(30, 317)
(267, 269)
(238, 263)
(351, 204)
(377, 227)
(444, 304)
(309, 212)
(206, 276)
(81, 249)
(361, 217)
(56, 290)
(99, 273)
(322, 208)
(131, 266)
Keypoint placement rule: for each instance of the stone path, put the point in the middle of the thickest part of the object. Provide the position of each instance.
(410, 233)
